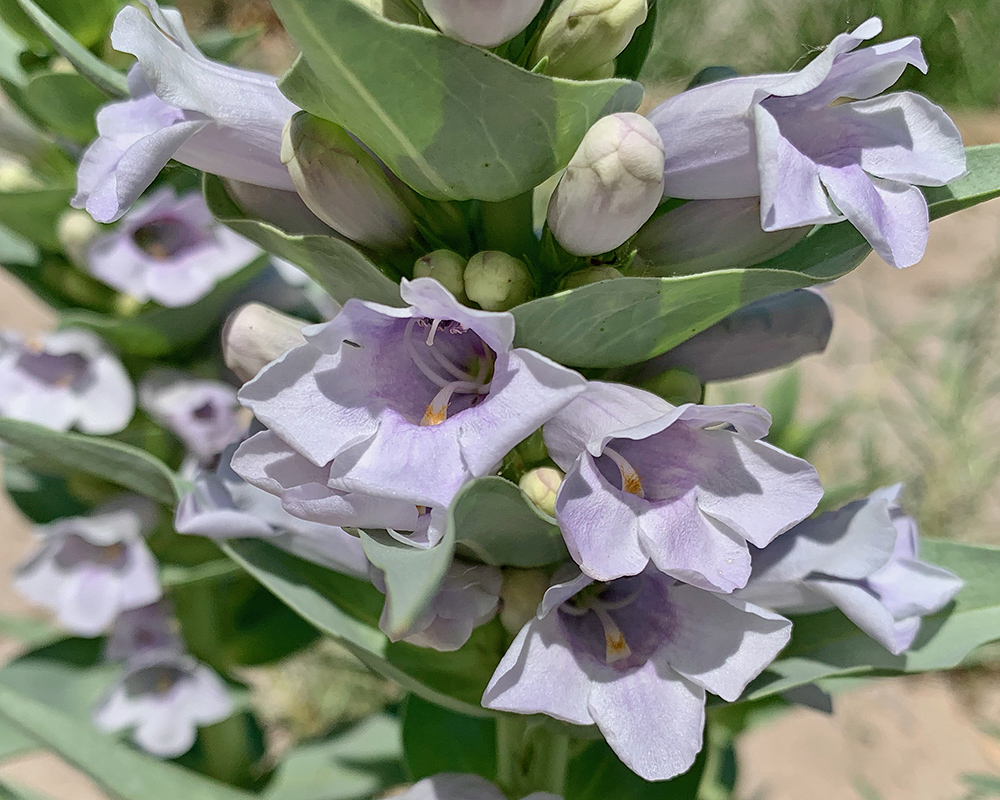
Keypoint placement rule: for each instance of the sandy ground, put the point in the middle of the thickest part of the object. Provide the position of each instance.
(895, 739)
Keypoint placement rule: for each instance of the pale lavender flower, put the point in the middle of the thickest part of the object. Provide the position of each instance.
(221, 505)
(163, 698)
(68, 378)
(140, 630)
(685, 487)
(455, 786)
(170, 250)
(861, 559)
(467, 598)
(811, 159)
(635, 657)
(203, 414)
(90, 569)
(403, 403)
(210, 116)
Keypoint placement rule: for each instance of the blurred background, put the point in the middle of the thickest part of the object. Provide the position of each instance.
(907, 391)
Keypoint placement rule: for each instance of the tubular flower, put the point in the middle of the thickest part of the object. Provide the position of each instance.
(169, 250)
(861, 559)
(486, 23)
(90, 569)
(455, 786)
(164, 697)
(140, 630)
(810, 159)
(64, 379)
(685, 487)
(403, 403)
(635, 657)
(210, 116)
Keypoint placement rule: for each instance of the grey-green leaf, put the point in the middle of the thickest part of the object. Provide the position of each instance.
(454, 122)
(103, 76)
(65, 102)
(494, 521)
(32, 213)
(124, 772)
(981, 183)
(122, 464)
(334, 264)
(828, 644)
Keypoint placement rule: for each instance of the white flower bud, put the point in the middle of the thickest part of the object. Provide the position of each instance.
(255, 335)
(541, 485)
(447, 268)
(590, 275)
(521, 592)
(612, 185)
(497, 281)
(704, 235)
(16, 177)
(75, 231)
(582, 35)
(486, 23)
(344, 185)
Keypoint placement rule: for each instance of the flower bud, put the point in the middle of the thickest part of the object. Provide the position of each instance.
(395, 10)
(590, 275)
(704, 235)
(521, 592)
(344, 185)
(612, 185)
(75, 231)
(497, 281)
(16, 177)
(447, 268)
(255, 335)
(486, 23)
(541, 485)
(582, 35)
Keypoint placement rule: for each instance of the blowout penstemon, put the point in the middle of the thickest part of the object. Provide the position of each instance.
(474, 445)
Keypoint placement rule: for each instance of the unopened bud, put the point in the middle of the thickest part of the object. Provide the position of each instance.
(541, 486)
(590, 275)
(395, 10)
(447, 268)
(676, 386)
(704, 235)
(612, 185)
(75, 231)
(256, 335)
(497, 281)
(344, 185)
(486, 23)
(582, 35)
(520, 594)
(16, 177)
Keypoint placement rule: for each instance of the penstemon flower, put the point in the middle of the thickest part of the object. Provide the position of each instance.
(170, 250)
(861, 559)
(90, 569)
(686, 487)
(811, 160)
(635, 656)
(69, 378)
(140, 630)
(207, 115)
(455, 786)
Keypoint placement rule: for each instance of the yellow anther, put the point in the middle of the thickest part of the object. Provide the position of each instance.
(434, 415)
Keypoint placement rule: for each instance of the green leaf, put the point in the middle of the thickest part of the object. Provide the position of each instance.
(122, 771)
(11, 47)
(426, 727)
(362, 761)
(158, 331)
(75, 13)
(412, 575)
(8, 792)
(65, 103)
(334, 264)
(597, 774)
(121, 464)
(454, 122)
(27, 630)
(631, 60)
(14, 742)
(982, 183)
(33, 213)
(15, 249)
(827, 644)
(348, 610)
(495, 522)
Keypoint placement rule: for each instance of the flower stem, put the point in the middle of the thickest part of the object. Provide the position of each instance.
(531, 756)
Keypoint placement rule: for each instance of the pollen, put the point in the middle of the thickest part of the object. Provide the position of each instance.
(615, 646)
(632, 483)
(434, 415)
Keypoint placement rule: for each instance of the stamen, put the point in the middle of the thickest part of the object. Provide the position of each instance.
(631, 482)
(616, 648)
(453, 368)
(430, 336)
(428, 373)
(437, 411)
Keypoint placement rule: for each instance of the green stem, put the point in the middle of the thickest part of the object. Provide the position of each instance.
(531, 757)
(508, 225)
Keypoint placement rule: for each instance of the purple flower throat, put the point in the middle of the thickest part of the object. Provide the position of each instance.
(167, 238)
(65, 370)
